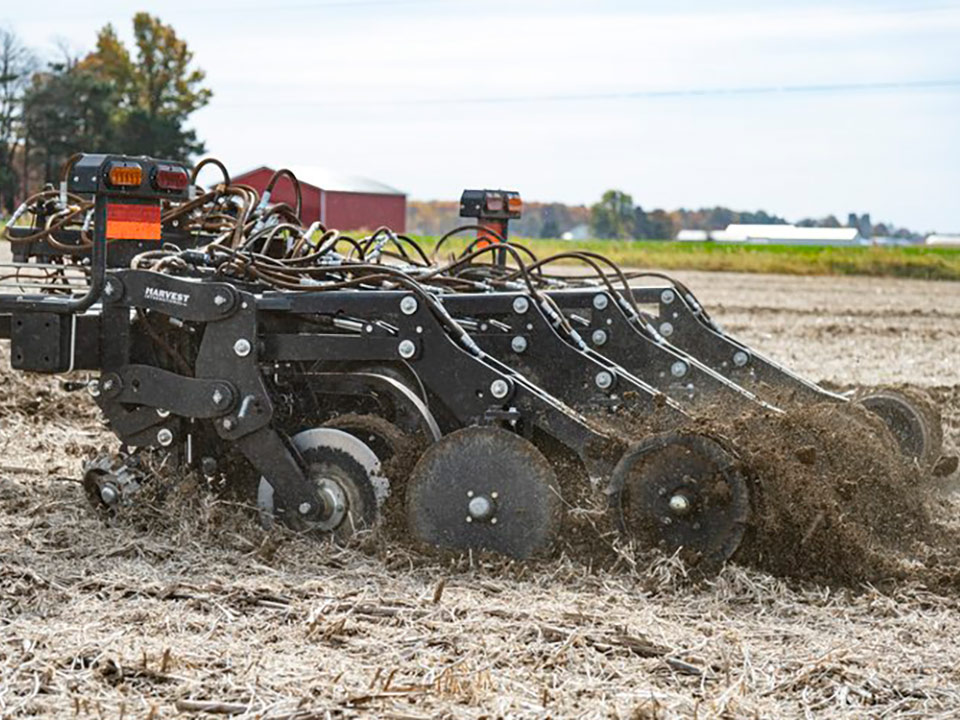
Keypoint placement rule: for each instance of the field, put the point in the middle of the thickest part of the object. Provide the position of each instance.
(191, 610)
(903, 262)
(906, 262)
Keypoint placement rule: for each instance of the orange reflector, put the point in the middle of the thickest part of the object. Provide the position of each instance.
(126, 175)
(514, 203)
(133, 222)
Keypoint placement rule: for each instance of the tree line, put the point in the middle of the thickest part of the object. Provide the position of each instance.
(112, 99)
(617, 217)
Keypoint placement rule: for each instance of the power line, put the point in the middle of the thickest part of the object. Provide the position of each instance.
(810, 89)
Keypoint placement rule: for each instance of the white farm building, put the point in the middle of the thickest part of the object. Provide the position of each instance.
(777, 235)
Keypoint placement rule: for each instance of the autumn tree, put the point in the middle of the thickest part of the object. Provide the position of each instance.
(613, 216)
(157, 91)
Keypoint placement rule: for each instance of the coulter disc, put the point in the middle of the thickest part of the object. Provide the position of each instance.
(484, 488)
(346, 474)
(914, 426)
(683, 492)
(396, 451)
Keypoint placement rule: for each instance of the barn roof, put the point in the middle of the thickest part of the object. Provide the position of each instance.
(324, 179)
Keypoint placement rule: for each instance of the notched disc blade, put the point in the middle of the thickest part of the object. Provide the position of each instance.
(484, 488)
(683, 492)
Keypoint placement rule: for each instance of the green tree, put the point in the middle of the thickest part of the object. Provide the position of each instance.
(613, 216)
(157, 91)
(67, 109)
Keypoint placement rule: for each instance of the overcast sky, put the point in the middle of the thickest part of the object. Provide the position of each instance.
(799, 108)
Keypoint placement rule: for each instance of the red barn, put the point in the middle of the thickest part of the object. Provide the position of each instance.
(340, 202)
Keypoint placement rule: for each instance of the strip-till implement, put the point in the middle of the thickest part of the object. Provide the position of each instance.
(346, 375)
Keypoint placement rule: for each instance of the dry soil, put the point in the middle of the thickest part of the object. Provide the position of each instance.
(197, 612)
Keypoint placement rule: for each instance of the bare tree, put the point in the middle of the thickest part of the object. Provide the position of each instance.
(17, 63)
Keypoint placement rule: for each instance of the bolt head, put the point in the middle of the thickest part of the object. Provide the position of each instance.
(600, 301)
(165, 437)
(407, 349)
(599, 337)
(519, 344)
(219, 300)
(228, 424)
(667, 296)
(109, 289)
(305, 508)
(678, 369)
(680, 504)
(242, 347)
(480, 508)
(218, 397)
(740, 358)
(666, 329)
(604, 380)
(409, 305)
(499, 389)
(109, 494)
(521, 305)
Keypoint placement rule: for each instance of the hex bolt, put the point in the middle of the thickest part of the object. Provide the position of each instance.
(407, 349)
(108, 385)
(218, 397)
(165, 437)
(604, 380)
(409, 305)
(228, 424)
(600, 301)
(667, 296)
(109, 289)
(219, 300)
(499, 389)
(521, 305)
(305, 508)
(242, 347)
(680, 504)
(678, 369)
(599, 337)
(109, 494)
(519, 344)
(666, 329)
(740, 358)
